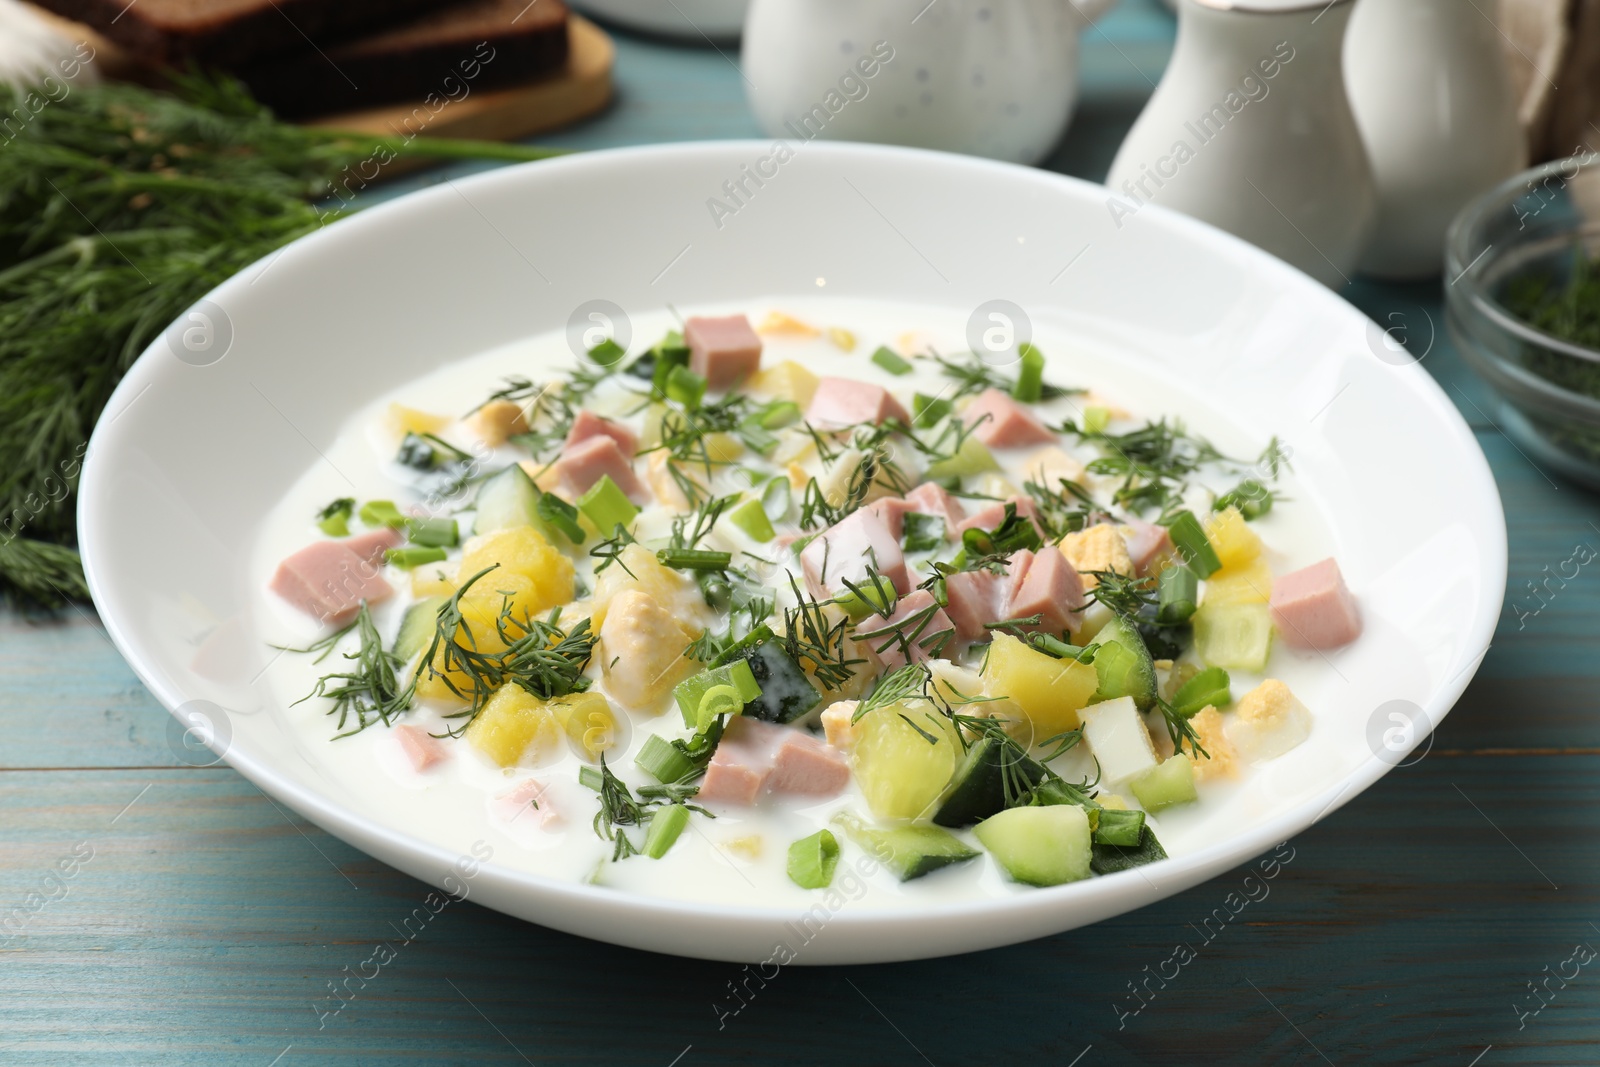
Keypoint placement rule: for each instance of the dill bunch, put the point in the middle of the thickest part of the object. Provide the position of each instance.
(121, 206)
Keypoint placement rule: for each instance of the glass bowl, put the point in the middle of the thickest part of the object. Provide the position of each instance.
(1542, 226)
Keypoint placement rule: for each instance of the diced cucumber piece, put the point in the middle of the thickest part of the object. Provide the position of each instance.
(874, 598)
(978, 789)
(1119, 827)
(1039, 845)
(1167, 784)
(786, 692)
(607, 506)
(414, 556)
(433, 533)
(907, 851)
(417, 628)
(1096, 418)
(1124, 664)
(1109, 859)
(751, 518)
(973, 457)
(1237, 637)
(891, 361)
(505, 500)
(736, 678)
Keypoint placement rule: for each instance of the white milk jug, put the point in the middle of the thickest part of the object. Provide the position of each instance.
(1250, 130)
(994, 78)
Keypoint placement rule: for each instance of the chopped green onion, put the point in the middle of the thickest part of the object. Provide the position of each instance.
(694, 559)
(591, 777)
(735, 677)
(435, 533)
(776, 414)
(668, 357)
(859, 601)
(1054, 646)
(923, 533)
(1179, 595)
(665, 827)
(607, 505)
(334, 520)
(718, 700)
(406, 558)
(812, 860)
(1209, 688)
(890, 361)
(1030, 377)
(553, 511)
(659, 758)
(1116, 827)
(756, 436)
(752, 519)
(1194, 547)
(928, 410)
(382, 513)
(607, 353)
(686, 387)
(1096, 418)
(1251, 498)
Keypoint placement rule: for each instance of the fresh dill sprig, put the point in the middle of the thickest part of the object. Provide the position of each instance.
(814, 638)
(906, 683)
(1179, 728)
(972, 375)
(618, 810)
(1123, 594)
(1154, 462)
(371, 689)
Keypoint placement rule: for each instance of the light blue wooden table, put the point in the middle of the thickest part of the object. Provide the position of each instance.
(200, 924)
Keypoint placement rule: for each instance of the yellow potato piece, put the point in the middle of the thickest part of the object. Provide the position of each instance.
(497, 420)
(1049, 692)
(521, 549)
(432, 579)
(402, 420)
(1246, 583)
(787, 380)
(516, 727)
(777, 322)
(1235, 543)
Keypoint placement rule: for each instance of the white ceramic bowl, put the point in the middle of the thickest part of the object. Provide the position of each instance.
(695, 20)
(195, 449)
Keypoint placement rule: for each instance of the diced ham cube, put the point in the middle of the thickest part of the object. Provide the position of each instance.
(1047, 586)
(1002, 422)
(911, 627)
(974, 599)
(328, 581)
(931, 499)
(585, 463)
(755, 757)
(805, 766)
(371, 545)
(420, 747)
(1147, 543)
(992, 514)
(841, 402)
(528, 802)
(724, 351)
(1313, 609)
(587, 424)
(860, 541)
(892, 510)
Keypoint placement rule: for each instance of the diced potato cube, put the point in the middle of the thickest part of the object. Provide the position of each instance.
(787, 380)
(524, 550)
(1097, 548)
(641, 651)
(1241, 583)
(497, 420)
(1235, 543)
(402, 420)
(777, 322)
(1268, 722)
(1048, 691)
(515, 727)
(842, 338)
(1224, 760)
(433, 579)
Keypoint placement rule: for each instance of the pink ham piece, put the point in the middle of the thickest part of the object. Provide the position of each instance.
(1313, 609)
(328, 581)
(1002, 422)
(1147, 543)
(924, 638)
(372, 545)
(931, 499)
(587, 424)
(974, 598)
(860, 541)
(992, 514)
(724, 351)
(1046, 584)
(841, 402)
(755, 758)
(528, 802)
(593, 458)
(420, 747)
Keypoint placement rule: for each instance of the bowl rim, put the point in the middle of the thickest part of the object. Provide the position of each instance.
(97, 523)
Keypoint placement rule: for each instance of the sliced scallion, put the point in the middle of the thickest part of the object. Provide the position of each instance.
(659, 758)
(1030, 376)
(891, 361)
(686, 387)
(416, 556)
(434, 533)
(751, 518)
(812, 860)
(736, 677)
(694, 559)
(1096, 418)
(557, 513)
(607, 506)
(607, 353)
(381, 513)
(1179, 594)
(1209, 688)
(1194, 547)
(334, 520)
(665, 827)
(926, 411)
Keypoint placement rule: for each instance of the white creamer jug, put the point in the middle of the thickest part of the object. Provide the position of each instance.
(994, 78)
(1250, 130)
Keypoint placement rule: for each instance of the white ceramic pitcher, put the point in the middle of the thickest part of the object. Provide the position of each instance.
(1250, 130)
(995, 78)
(1433, 98)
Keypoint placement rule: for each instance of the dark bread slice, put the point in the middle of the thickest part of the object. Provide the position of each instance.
(444, 55)
(224, 32)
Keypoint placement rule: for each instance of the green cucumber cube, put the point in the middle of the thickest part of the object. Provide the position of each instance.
(1236, 637)
(1039, 845)
(1168, 783)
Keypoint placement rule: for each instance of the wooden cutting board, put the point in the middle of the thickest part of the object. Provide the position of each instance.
(579, 90)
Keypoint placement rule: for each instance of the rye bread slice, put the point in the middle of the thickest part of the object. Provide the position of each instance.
(225, 32)
(440, 57)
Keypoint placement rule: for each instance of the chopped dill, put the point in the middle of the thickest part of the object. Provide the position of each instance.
(370, 690)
